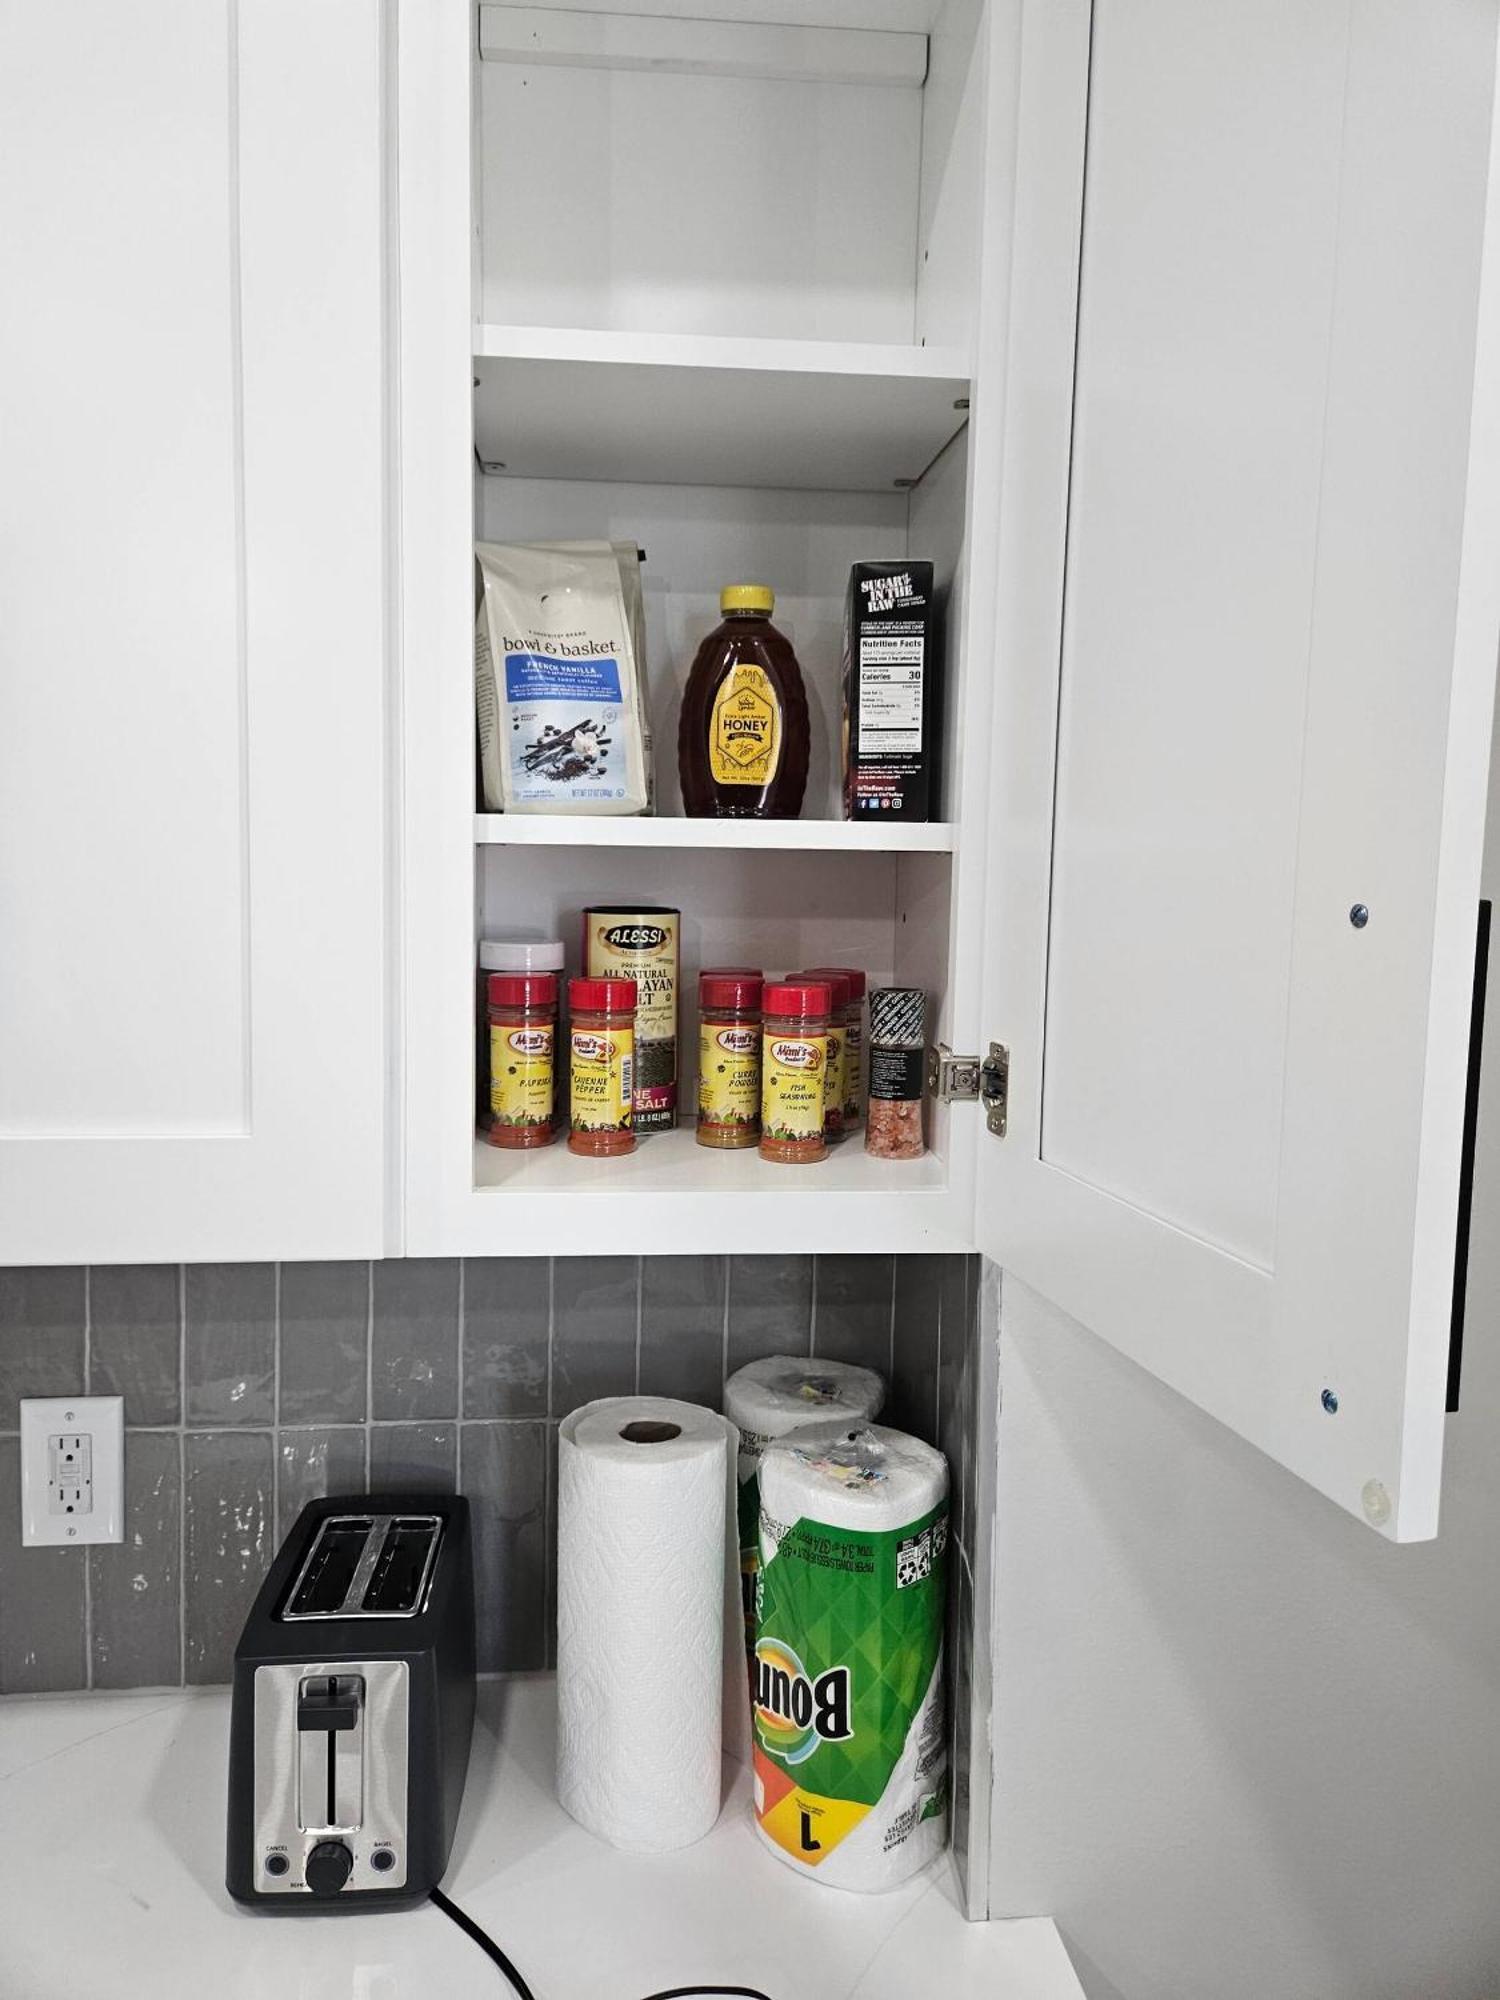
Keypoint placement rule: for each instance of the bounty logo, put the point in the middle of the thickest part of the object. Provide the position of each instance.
(793, 1713)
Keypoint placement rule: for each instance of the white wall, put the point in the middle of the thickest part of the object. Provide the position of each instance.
(1246, 1749)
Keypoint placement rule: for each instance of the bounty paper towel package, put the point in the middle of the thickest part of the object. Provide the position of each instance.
(642, 1520)
(851, 1761)
(766, 1400)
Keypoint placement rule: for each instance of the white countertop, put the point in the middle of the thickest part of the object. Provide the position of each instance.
(112, 1856)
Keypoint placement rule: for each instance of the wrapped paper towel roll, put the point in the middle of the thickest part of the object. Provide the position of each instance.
(643, 1486)
(851, 1762)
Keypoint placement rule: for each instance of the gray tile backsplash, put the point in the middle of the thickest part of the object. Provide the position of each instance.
(251, 1389)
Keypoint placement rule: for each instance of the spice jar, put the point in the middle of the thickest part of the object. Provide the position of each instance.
(854, 1038)
(522, 1058)
(837, 983)
(794, 1059)
(898, 1035)
(601, 1066)
(504, 954)
(729, 1030)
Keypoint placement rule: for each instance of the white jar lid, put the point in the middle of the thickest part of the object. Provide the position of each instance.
(519, 954)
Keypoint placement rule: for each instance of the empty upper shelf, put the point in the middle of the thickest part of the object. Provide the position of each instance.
(704, 410)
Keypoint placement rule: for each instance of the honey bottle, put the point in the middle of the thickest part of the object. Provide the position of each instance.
(742, 740)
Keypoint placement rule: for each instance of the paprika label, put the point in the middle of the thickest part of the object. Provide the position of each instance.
(521, 1069)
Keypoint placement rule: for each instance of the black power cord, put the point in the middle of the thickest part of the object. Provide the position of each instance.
(523, 1992)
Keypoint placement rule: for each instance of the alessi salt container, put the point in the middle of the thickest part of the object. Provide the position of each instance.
(794, 1059)
(601, 1066)
(639, 942)
(522, 1058)
(729, 1035)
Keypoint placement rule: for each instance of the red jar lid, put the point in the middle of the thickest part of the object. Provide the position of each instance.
(795, 995)
(836, 981)
(852, 973)
(522, 989)
(730, 987)
(602, 996)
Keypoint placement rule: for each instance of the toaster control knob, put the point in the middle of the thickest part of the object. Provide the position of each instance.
(327, 1867)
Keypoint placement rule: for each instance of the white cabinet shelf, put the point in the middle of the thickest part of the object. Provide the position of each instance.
(709, 410)
(670, 1195)
(750, 836)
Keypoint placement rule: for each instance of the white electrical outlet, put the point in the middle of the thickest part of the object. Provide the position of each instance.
(72, 1470)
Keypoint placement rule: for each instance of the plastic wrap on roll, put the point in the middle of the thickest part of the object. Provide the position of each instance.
(850, 1761)
(642, 1534)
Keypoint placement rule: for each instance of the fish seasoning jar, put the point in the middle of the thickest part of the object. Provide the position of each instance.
(794, 1058)
(523, 1057)
(898, 1034)
(729, 1030)
(601, 1067)
(854, 1038)
(833, 1070)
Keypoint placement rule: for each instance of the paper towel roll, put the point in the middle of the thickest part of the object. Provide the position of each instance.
(766, 1399)
(851, 1762)
(643, 1485)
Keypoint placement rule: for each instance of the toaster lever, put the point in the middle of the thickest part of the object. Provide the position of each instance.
(330, 1704)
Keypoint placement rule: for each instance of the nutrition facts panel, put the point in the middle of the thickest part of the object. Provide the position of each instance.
(890, 691)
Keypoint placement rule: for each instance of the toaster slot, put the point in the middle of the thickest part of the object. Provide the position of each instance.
(329, 1571)
(399, 1579)
(330, 1752)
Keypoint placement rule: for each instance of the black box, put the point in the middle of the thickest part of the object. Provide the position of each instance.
(890, 692)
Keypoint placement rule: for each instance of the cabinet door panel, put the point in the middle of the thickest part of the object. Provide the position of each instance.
(1249, 604)
(191, 631)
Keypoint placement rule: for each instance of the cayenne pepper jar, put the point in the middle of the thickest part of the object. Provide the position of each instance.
(729, 1030)
(854, 1038)
(837, 983)
(601, 1067)
(522, 1065)
(795, 1057)
(898, 1034)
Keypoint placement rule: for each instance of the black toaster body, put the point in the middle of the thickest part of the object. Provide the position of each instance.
(353, 1708)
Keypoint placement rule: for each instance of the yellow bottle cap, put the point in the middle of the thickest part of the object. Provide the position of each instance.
(747, 597)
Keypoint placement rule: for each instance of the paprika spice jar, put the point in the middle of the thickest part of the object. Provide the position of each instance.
(793, 1064)
(601, 1067)
(729, 1031)
(523, 1056)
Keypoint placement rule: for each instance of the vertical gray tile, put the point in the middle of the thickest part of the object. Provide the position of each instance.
(770, 1308)
(325, 1312)
(682, 1328)
(504, 1476)
(230, 1312)
(914, 1346)
(227, 1495)
(136, 1586)
(593, 1329)
(41, 1600)
(135, 1339)
(315, 1463)
(413, 1458)
(414, 1338)
(41, 1336)
(507, 1325)
(852, 1321)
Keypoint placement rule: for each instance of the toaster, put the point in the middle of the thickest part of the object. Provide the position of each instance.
(353, 1707)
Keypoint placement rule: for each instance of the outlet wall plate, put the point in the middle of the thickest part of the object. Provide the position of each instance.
(72, 1470)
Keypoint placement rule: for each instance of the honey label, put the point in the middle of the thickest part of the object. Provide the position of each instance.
(521, 1061)
(744, 728)
(600, 1079)
(792, 1086)
(728, 1076)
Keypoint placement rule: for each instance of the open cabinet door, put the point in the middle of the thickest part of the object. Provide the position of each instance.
(1246, 643)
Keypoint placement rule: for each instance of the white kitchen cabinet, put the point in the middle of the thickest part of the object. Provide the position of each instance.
(1171, 334)
(193, 592)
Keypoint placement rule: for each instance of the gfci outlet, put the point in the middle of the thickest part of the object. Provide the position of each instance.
(72, 1470)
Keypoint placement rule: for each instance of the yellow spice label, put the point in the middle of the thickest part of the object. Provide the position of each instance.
(793, 1070)
(854, 1064)
(833, 1079)
(744, 729)
(521, 1062)
(728, 1075)
(600, 1079)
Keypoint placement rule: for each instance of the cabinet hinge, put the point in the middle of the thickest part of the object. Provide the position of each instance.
(969, 1080)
